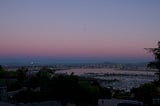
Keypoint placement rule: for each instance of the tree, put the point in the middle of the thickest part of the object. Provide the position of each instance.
(1, 68)
(156, 62)
(3, 73)
(145, 93)
(21, 75)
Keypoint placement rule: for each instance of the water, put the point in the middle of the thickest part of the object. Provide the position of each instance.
(105, 71)
(118, 79)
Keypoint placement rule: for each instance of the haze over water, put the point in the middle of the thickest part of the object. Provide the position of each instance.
(69, 31)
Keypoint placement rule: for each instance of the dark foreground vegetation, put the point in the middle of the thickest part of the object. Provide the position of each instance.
(147, 93)
(46, 85)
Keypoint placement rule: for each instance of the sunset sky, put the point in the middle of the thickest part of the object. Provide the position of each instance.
(79, 29)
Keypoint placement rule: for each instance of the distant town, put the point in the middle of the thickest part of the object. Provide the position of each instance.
(120, 66)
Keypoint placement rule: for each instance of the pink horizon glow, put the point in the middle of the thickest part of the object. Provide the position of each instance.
(79, 28)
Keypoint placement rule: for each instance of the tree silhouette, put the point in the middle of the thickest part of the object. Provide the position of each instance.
(2, 72)
(1, 68)
(21, 75)
(156, 63)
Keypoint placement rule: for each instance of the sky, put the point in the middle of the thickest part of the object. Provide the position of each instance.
(116, 30)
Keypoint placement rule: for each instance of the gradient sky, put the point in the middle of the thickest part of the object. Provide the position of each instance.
(117, 29)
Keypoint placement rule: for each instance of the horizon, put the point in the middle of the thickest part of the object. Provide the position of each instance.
(78, 31)
(9, 61)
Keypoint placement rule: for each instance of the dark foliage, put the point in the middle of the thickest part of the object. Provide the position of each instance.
(145, 92)
(64, 88)
(155, 64)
